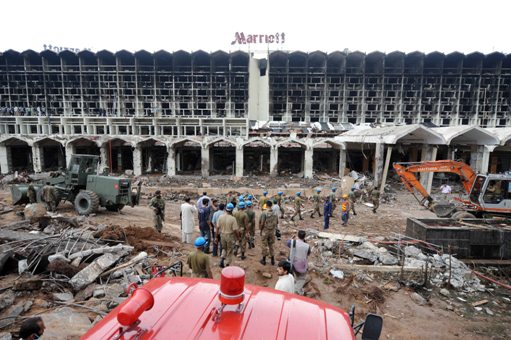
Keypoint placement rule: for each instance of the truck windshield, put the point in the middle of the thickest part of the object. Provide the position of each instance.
(476, 189)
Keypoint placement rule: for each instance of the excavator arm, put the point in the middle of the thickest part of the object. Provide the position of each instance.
(406, 172)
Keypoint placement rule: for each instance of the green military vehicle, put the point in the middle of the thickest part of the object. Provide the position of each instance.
(82, 185)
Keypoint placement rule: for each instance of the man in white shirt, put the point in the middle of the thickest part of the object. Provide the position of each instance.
(188, 211)
(286, 282)
(199, 201)
(446, 191)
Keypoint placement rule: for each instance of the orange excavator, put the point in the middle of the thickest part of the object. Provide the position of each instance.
(488, 195)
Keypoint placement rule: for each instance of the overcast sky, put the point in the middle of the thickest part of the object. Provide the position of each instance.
(405, 25)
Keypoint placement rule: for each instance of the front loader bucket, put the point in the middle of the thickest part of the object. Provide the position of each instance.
(19, 193)
(443, 209)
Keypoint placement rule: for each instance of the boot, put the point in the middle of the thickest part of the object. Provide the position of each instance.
(273, 260)
(263, 261)
(235, 252)
(222, 264)
(243, 256)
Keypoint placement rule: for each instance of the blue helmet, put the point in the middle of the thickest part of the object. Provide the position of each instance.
(229, 207)
(280, 193)
(241, 198)
(241, 205)
(298, 193)
(265, 193)
(200, 242)
(250, 197)
(334, 189)
(249, 203)
(318, 190)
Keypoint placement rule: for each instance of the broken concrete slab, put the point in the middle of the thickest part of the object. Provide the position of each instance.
(342, 237)
(418, 299)
(14, 312)
(57, 324)
(94, 270)
(63, 297)
(7, 299)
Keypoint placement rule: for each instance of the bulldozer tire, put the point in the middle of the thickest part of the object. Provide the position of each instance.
(86, 202)
(458, 215)
(115, 207)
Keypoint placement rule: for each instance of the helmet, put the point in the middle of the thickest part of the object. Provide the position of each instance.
(200, 241)
(344, 196)
(334, 189)
(241, 205)
(280, 193)
(318, 190)
(241, 198)
(298, 193)
(157, 192)
(229, 207)
(249, 203)
(250, 197)
(265, 193)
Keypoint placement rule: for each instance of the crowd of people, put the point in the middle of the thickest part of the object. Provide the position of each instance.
(229, 227)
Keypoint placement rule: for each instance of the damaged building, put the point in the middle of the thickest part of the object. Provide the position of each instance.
(247, 114)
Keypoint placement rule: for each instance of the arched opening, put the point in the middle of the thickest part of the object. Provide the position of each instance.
(120, 155)
(19, 155)
(52, 153)
(222, 155)
(326, 158)
(154, 156)
(188, 158)
(291, 158)
(83, 146)
(256, 158)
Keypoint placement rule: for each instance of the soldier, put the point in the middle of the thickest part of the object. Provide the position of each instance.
(49, 196)
(262, 200)
(280, 203)
(31, 194)
(352, 198)
(242, 220)
(227, 233)
(198, 261)
(158, 206)
(333, 199)
(316, 200)
(268, 224)
(298, 206)
(251, 224)
(375, 199)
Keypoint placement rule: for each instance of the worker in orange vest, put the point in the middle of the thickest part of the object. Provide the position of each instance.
(345, 209)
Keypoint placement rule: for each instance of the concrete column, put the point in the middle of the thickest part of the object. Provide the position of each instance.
(70, 151)
(205, 161)
(480, 158)
(428, 153)
(37, 158)
(104, 158)
(309, 158)
(378, 163)
(342, 162)
(137, 161)
(239, 161)
(274, 160)
(171, 161)
(386, 168)
(4, 161)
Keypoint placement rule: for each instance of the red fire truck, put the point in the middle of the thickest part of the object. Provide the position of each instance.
(189, 308)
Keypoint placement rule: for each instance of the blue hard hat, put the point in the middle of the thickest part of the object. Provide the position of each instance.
(280, 193)
(241, 198)
(318, 190)
(265, 193)
(249, 203)
(298, 193)
(229, 207)
(334, 189)
(200, 241)
(250, 197)
(241, 205)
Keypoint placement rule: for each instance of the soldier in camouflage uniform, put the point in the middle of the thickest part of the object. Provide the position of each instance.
(316, 200)
(375, 198)
(280, 203)
(298, 206)
(352, 198)
(49, 196)
(242, 220)
(268, 224)
(251, 224)
(227, 233)
(158, 206)
(31, 194)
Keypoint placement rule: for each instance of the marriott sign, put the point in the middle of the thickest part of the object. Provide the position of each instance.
(241, 39)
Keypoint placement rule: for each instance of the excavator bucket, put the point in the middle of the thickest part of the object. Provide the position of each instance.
(19, 193)
(443, 209)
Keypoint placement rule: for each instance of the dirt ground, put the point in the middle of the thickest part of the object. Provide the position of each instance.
(440, 318)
